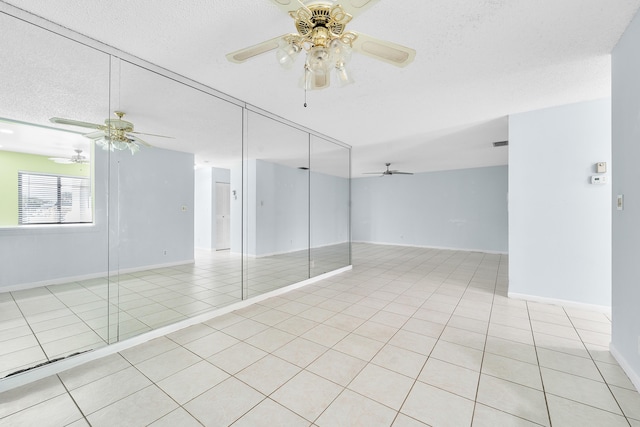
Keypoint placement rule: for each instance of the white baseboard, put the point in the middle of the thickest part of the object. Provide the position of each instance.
(65, 364)
(69, 279)
(626, 366)
(565, 303)
(295, 250)
(445, 248)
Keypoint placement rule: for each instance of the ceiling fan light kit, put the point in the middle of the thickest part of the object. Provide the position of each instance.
(321, 34)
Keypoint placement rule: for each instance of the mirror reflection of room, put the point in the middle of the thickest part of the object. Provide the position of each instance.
(132, 201)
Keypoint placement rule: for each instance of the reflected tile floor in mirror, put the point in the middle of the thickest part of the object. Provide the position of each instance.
(410, 337)
(45, 323)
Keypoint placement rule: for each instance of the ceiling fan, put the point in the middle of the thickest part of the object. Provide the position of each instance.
(321, 32)
(114, 134)
(77, 158)
(388, 172)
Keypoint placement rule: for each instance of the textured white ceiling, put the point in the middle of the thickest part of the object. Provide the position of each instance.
(477, 62)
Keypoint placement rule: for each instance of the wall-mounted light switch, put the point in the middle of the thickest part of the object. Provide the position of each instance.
(620, 202)
(601, 167)
(599, 179)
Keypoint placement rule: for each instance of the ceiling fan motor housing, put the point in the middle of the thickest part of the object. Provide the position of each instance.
(318, 24)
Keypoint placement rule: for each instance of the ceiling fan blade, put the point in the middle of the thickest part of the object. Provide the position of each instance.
(94, 135)
(138, 140)
(239, 56)
(386, 51)
(371, 173)
(61, 160)
(62, 121)
(151, 134)
(401, 173)
(356, 7)
(288, 5)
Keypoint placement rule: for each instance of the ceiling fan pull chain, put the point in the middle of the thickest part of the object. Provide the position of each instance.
(305, 87)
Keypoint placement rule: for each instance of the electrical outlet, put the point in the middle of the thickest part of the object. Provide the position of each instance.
(165, 251)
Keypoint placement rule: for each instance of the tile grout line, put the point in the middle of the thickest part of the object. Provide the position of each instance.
(47, 359)
(507, 357)
(153, 383)
(535, 347)
(604, 380)
(74, 400)
(415, 381)
(80, 318)
(408, 285)
(484, 348)
(345, 387)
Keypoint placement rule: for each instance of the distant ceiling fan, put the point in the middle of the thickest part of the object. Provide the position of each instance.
(77, 158)
(388, 172)
(321, 33)
(115, 134)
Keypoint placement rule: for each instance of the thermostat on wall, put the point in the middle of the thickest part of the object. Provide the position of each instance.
(599, 179)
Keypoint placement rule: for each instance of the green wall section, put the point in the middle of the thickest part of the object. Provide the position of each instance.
(11, 163)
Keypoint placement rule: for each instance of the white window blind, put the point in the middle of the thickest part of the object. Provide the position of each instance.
(53, 199)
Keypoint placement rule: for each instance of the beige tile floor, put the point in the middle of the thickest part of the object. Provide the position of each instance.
(54, 321)
(410, 337)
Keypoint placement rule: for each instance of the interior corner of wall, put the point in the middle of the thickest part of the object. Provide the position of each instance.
(626, 366)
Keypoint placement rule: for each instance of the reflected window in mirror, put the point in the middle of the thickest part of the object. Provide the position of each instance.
(53, 199)
(45, 176)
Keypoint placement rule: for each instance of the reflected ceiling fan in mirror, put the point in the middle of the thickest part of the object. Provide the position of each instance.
(321, 26)
(114, 134)
(77, 158)
(388, 172)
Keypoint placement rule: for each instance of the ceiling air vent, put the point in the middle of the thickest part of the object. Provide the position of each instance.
(501, 144)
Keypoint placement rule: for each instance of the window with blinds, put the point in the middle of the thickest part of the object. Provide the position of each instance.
(53, 199)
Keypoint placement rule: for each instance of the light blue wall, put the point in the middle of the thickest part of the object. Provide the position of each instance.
(221, 175)
(281, 209)
(458, 209)
(329, 209)
(560, 223)
(278, 218)
(626, 181)
(153, 193)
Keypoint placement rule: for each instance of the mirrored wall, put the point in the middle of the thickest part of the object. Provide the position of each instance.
(133, 199)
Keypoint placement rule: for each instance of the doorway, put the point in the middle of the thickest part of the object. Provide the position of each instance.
(223, 216)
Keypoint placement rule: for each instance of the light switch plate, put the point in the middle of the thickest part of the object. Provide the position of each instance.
(620, 202)
(601, 167)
